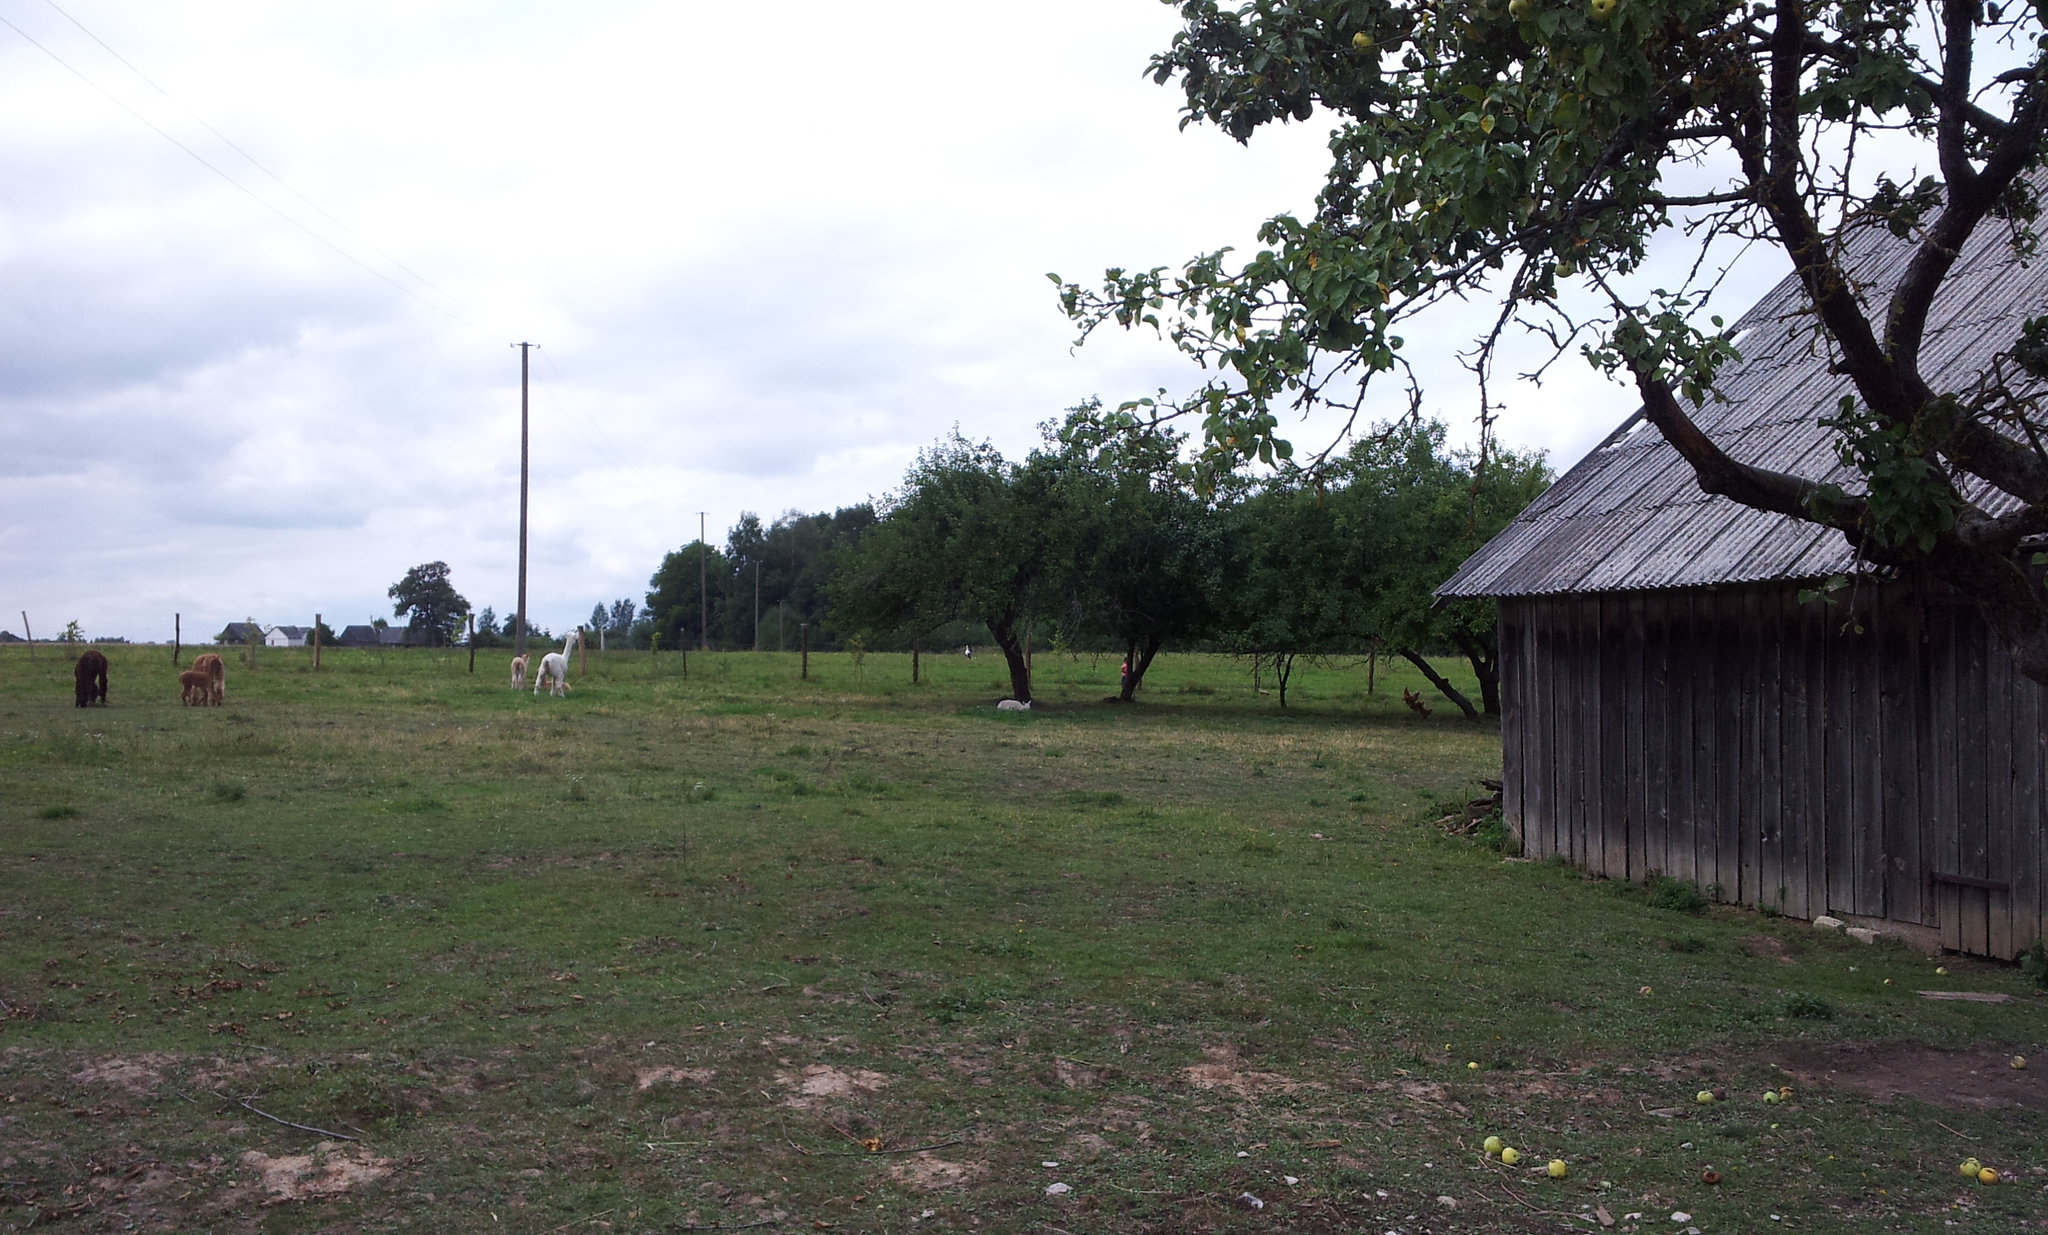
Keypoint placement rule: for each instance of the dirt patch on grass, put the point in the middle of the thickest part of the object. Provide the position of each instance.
(648, 1078)
(138, 1076)
(1072, 1074)
(1222, 1073)
(1982, 1079)
(928, 1174)
(330, 1170)
(1767, 948)
(821, 1084)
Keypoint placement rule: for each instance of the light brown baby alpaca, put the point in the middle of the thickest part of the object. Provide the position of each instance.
(195, 688)
(216, 671)
(518, 672)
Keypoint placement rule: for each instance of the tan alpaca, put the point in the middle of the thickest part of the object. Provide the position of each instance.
(518, 672)
(217, 674)
(195, 688)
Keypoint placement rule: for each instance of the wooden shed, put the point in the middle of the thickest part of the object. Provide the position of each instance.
(1670, 704)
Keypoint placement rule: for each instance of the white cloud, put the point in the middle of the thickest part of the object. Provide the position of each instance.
(769, 254)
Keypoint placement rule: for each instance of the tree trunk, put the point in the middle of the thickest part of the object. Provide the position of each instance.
(1485, 661)
(1441, 683)
(1139, 662)
(1283, 668)
(1006, 638)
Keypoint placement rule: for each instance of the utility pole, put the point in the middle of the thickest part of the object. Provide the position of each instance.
(703, 596)
(519, 641)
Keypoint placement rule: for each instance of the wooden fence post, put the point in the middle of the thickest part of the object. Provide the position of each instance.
(472, 643)
(582, 652)
(317, 619)
(31, 635)
(177, 637)
(803, 633)
(913, 662)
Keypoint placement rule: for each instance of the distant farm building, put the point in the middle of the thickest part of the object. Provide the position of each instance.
(359, 636)
(1671, 706)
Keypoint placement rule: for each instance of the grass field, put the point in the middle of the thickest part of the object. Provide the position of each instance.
(742, 951)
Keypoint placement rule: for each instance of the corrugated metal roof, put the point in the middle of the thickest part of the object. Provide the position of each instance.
(1630, 516)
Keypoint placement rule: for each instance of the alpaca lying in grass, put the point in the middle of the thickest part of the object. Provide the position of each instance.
(195, 689)
(518, 672)
(91, 677)
(1414, 702)
(216, 671)
(554, 670)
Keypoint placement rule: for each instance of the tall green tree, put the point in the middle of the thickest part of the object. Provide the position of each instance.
(1530, 153)
(966, 537)
(1134, 555)
(797, 557)
(678, 589)
(435, 606)
(1415, 510)
(1295, 585)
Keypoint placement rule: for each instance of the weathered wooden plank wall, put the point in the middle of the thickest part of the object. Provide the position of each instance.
(1878, 758)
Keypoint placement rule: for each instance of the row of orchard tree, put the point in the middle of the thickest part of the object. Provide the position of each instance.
(1094, 538)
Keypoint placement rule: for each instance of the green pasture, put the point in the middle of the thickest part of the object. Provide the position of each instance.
(734, 950)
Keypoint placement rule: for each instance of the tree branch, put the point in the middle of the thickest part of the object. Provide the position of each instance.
(1719, 473)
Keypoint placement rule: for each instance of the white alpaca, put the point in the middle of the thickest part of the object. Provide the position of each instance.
(518, 672)
(1012, 705)
(554, 670)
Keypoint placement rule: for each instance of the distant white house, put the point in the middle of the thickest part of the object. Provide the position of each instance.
(285, 637)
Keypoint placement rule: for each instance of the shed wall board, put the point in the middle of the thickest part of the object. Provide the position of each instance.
(1878, 757)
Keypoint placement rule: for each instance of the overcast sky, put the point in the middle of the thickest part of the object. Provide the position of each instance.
(766, 258)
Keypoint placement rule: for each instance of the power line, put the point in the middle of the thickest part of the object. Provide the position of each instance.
(253, 161)
(593, 429)
(246, 190)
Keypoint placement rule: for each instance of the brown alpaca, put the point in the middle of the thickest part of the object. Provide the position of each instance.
(216, 671)
(91, 677)
(1414, 701)
(195, 688)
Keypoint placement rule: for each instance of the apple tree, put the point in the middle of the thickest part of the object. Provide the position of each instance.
(435, 606)
(1527, 154)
